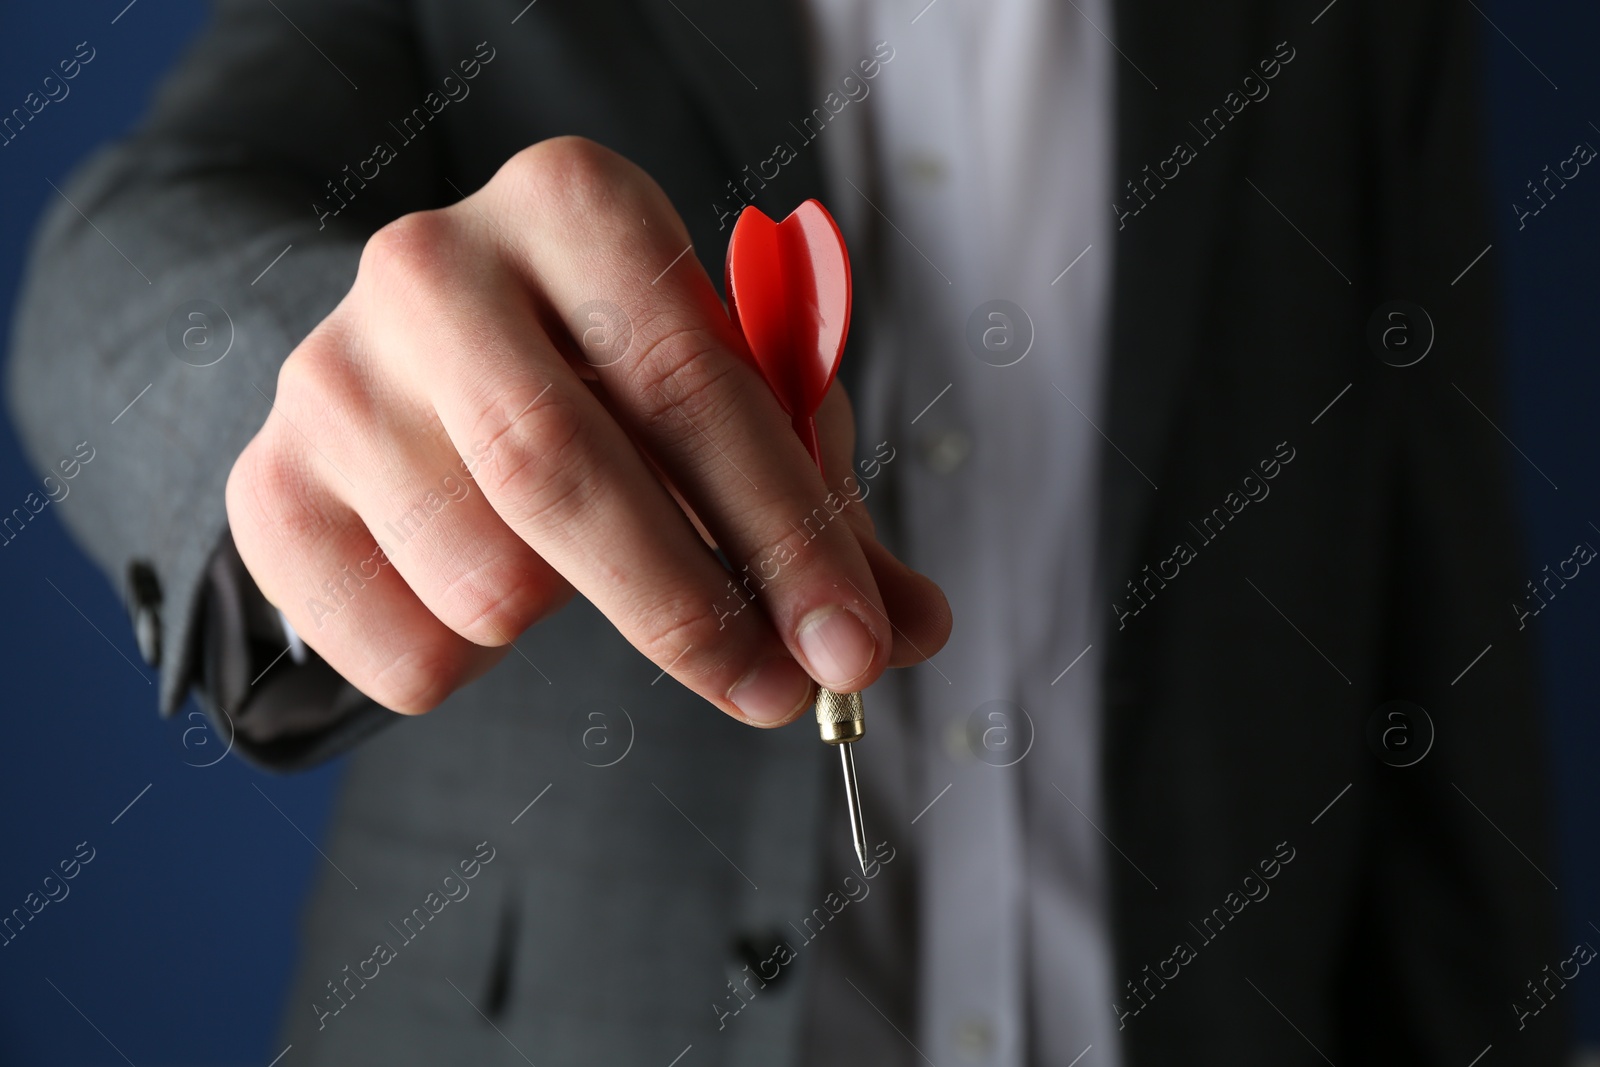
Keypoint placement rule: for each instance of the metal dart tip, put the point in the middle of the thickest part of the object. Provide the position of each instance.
(841, 721)
(852, 796)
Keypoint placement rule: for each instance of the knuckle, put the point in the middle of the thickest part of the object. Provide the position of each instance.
(243, 494)
(572, 156)
(536, 463)
(542, 499)
(564, 169)
(323, 399)
(787, 554)
(407, 250)
(582, 181)
(418, 679)
(320, 376)
(694, 638)
(270, 491)
(490, 605)
(684, 370)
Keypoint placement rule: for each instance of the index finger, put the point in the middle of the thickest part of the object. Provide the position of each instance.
(687, 390)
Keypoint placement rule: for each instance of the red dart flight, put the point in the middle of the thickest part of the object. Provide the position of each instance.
(788, 287)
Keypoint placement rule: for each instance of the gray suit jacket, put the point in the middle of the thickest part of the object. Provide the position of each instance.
(615, 909)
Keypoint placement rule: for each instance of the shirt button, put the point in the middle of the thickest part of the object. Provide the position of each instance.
(765, 954)
(957, 745)
(974, 1038)
(945, 452)
(925, 168)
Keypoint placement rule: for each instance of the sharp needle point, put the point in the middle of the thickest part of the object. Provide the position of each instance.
(852, 795)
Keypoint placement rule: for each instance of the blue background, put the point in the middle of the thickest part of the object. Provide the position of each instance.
(1549, 275)
(175, 942)
(177, 939)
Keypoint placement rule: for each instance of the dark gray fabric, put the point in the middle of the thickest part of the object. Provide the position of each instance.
(616, 910)
(603, 929)
(280, 710)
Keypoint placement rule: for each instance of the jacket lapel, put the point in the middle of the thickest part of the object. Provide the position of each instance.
(746, 65)
(1196, 54)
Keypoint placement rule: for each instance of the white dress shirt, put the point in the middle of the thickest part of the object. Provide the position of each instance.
(976, 169)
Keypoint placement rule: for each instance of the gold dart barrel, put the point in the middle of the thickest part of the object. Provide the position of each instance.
(841, 717)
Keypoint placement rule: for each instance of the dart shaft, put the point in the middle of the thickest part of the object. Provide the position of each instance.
(852, 796)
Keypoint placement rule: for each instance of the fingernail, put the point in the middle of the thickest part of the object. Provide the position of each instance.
(838, 646)
(772, 693)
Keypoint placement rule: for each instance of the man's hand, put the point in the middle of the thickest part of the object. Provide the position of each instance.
(458, 359)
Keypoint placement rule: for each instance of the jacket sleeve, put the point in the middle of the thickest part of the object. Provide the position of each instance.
(179, 267)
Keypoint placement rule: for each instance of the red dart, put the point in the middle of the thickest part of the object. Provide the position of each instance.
(789, 294)
(788, 289)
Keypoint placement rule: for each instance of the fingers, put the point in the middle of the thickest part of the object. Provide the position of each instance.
(418, 498)
(916, 607)
(315, 559)
(558, 472)
(443, 465)
(599, 229)
(836, 430)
